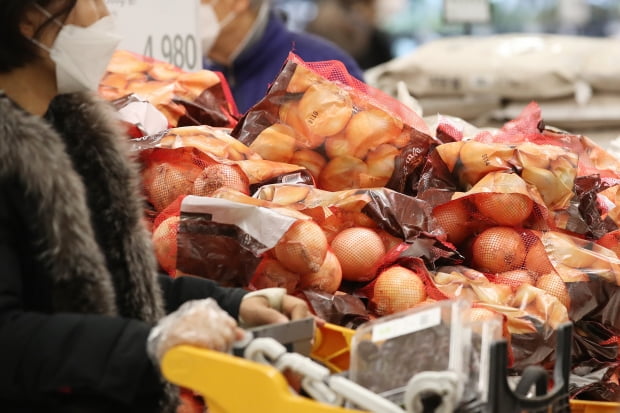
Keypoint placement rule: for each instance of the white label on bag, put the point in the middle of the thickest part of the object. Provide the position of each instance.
(467, 11)
(407, 325)
(167, 30)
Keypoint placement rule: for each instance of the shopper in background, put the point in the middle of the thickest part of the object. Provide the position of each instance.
(248, 41)
(80, 295)
(352, 25)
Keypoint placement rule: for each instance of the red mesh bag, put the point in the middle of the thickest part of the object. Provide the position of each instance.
(170, 173)
(363, 228)
(198, 160)
(185, 98)
(216, 238)
(347, 134)
(529, 126)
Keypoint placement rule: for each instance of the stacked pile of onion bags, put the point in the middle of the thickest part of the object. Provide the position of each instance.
(185, 98)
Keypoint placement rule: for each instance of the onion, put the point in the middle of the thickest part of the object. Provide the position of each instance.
(359, 251)
(311, 160)
(198, 81)
(478, 159)
(537, 259)
(389, 240)
(453, 217)
(325, 109)
(164, 71)
(217, 176)
(380, 161)
(302, 79)
(515, 278)
(509, 209)
(370, 128)
(290, 194)
(165, 243)
(165, 182)
(337, 146)
(275, 143)
(327, 278)
(396, 289)
(342, 173)
(552, 284)
(270, 273)
(498, 249)
(303, 247)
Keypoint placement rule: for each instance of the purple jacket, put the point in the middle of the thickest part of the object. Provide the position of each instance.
(256, 68)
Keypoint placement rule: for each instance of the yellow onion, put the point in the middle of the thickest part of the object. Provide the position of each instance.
(380, 161)
(509, 209)
(217, 176)
(556, 191)
(478, 159)
(515, 278)
(302, 79)
(164, 182)
(289, 194)
(397, 289)
(303, 247)
(270, 273)
(311, 160)
(498, 249)
(326, 279)
(552, 284)
(165, 243)
(537, 259)
(325, 109)
(337, 146)
(370, 128)
(342, 173)
(359, 250)
(275, 143)
(452, 217)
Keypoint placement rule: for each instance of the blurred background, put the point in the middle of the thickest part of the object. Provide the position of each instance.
(568, 51)
(406, 24)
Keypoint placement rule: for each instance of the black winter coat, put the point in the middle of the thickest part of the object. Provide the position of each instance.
(79, 289)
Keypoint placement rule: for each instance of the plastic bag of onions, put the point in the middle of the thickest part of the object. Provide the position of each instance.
(185, 98)
(170, 173)
(224, 240)
(347, 134)
(198, 160)
(362, 227)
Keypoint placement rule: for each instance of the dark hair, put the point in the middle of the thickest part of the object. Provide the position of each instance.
(15, 49)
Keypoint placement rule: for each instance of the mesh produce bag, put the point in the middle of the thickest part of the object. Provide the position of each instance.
(216, 238)
(345, 133)
(197, 160)
(185, 98)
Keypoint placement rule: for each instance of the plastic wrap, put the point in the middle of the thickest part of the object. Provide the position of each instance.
(345, 133)
(200, 323)
(198, 160)
(386, 353)
(185, 98)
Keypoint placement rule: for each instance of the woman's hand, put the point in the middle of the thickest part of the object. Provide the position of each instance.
(272, 306)
(200, 323)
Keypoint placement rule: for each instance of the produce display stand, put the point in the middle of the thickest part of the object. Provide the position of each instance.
(232, 384)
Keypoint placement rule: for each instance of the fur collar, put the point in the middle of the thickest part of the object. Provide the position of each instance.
(94, 241)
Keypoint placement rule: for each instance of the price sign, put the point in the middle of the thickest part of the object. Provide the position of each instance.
(167, 30)
(467, 11)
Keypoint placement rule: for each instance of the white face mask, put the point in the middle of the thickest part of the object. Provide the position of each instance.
(82, 54)
(211, 26)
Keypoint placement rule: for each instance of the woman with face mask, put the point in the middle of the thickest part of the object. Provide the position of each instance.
(248, 41)
(80, 296)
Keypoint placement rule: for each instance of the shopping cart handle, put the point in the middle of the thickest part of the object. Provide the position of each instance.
(232, 384)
